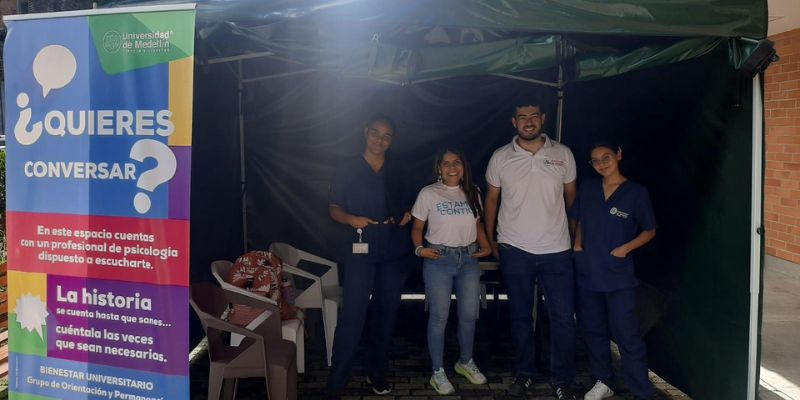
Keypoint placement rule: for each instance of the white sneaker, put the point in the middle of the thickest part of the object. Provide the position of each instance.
(598, 392)
(471, 372)
(440, 382)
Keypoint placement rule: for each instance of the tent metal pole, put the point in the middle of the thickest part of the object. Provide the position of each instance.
(560, 120)
(560, 89)
(755, 238)
(285, 74)
(239, 58)
(523, 79)
(242, 177)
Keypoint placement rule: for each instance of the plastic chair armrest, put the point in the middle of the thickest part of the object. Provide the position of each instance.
(300, 272)
(231, 328)
(238, 295)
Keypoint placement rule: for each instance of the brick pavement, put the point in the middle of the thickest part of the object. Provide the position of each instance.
(411, 366)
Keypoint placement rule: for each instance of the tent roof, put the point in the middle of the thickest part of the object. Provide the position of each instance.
(417, 40)
(719, 18)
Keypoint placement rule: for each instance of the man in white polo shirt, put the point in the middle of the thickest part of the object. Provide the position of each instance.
(534, 176)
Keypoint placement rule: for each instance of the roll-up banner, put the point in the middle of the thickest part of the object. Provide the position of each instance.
(98, 125)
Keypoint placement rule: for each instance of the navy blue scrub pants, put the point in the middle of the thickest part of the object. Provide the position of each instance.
(601, 312)
(364, 276)
(556, 276)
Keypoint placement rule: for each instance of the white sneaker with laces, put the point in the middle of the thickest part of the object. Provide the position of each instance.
(470, 371)
(440, 382)
(598, 392)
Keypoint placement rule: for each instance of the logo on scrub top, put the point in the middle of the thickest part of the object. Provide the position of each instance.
(618, 213)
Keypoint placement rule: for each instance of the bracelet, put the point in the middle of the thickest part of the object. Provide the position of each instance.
(418, 251)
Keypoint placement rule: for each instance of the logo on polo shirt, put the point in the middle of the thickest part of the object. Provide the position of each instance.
(618, 213)
(553, 163)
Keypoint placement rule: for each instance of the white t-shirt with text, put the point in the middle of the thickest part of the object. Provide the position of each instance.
(450, 219)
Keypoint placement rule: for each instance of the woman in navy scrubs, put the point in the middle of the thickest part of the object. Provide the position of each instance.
(367, 196)
(614, 217)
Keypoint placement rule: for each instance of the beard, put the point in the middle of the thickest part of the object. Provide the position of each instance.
(529, 136)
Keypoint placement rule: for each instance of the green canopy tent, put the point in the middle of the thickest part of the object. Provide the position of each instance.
(281, 87)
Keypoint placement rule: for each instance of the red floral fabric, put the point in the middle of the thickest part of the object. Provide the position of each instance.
(266, 272)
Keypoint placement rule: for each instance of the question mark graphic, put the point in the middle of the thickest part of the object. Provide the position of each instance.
(149, 180)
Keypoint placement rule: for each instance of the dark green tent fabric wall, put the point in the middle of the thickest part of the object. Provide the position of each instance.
(655, 74)
(686, 133)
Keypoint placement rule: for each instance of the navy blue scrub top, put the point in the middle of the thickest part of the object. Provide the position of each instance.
(360, 191)
(606, 225)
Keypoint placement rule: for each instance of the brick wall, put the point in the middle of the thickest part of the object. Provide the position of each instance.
(782, 180)
(8, 7)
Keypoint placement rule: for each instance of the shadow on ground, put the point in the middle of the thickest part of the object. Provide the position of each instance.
(411, 366)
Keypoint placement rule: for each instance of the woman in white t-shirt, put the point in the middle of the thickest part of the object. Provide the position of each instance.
(453, 212)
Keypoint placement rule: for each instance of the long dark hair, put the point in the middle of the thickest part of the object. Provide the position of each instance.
(608, 144)
(466, 184)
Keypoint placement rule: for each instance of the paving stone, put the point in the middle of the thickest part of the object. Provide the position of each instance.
(420, 378)
(410, 369)
(428, 392)
(409, 386)
(498, 386)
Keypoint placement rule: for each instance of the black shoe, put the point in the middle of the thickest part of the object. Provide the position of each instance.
(563, 392)
(379, 385)
(520, 386)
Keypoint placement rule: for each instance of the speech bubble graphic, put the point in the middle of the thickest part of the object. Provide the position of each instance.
(31, 313)
(149, 180)
(54, 67)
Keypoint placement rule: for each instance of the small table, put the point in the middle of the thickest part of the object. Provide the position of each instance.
(490, 265)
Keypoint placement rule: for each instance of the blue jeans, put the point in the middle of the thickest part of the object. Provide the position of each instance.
(456, 268)
(384, 281)
(556, 275)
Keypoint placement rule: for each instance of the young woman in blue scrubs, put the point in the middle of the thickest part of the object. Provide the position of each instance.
(367, 195)
(614, 217)
(452, 209)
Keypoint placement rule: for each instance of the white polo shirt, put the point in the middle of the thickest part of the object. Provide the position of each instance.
(532, 216)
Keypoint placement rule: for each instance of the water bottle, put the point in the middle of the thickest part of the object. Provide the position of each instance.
(287, 291)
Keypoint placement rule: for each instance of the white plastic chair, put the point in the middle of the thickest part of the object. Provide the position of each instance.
(324, 293)
(291, 330)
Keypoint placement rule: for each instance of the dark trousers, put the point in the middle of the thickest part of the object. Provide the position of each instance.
(601, 312)
(384, 280)
(556, 276)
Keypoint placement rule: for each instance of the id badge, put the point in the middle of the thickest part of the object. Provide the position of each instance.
(360, 247)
